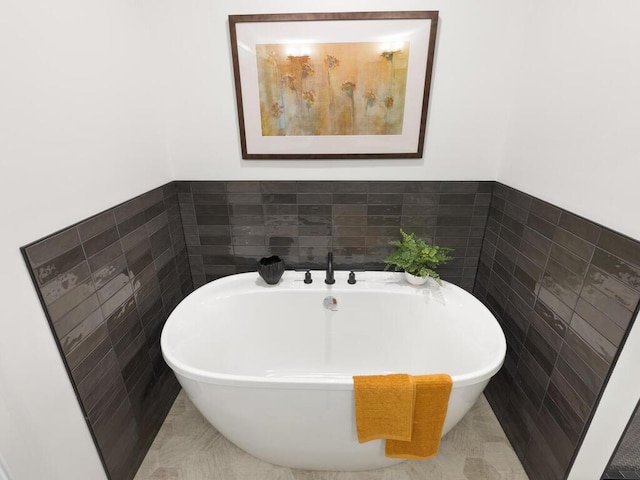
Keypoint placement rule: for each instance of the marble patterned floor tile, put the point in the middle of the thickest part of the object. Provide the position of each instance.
(189, 448)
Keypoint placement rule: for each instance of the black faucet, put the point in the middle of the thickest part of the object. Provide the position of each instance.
(329, 280)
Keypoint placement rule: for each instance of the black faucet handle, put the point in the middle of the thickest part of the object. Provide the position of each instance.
(307, 277)
(352, 278)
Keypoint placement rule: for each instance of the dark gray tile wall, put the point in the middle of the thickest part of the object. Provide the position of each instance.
(564, 290)
(107, 285)
(229, 226)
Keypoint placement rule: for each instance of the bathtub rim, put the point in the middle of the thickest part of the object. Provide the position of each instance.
(319, 381)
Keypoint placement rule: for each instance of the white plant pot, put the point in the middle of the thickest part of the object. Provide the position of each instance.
(414, 280)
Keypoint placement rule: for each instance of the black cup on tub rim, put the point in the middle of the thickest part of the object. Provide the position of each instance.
(271, 269)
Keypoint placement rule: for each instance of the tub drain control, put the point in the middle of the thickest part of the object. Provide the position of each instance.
(330, 303)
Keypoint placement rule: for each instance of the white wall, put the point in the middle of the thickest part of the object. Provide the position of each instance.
(574, 141)
(471, 92)
(79, 132)
(574, 133)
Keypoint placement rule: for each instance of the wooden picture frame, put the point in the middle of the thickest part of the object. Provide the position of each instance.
(333, 85)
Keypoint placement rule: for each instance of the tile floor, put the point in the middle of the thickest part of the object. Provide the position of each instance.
(189, 448)
(626, 461)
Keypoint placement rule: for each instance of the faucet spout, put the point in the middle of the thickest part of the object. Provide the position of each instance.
(329, 280)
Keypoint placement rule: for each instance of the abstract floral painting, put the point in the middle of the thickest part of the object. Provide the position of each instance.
(332, 88)
(333, 85)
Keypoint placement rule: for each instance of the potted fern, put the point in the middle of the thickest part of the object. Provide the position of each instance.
(417, 258)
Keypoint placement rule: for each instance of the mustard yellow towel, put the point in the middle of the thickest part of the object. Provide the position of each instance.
(384, 406)
(432, 401)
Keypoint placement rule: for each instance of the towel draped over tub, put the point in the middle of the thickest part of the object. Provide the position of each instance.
(408, 411)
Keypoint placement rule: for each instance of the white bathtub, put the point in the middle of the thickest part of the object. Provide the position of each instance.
(271, 367)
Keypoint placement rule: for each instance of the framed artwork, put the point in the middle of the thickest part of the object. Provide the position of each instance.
(333, 85)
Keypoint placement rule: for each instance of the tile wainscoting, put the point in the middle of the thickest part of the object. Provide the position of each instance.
(107, 285)
(564, 290)
(230, 225)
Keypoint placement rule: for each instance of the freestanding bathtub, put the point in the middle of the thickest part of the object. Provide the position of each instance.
(271, 366)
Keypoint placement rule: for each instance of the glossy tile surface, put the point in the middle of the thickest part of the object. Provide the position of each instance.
(229, 226)
(188, 447)
(107, 285)
(564, 290)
